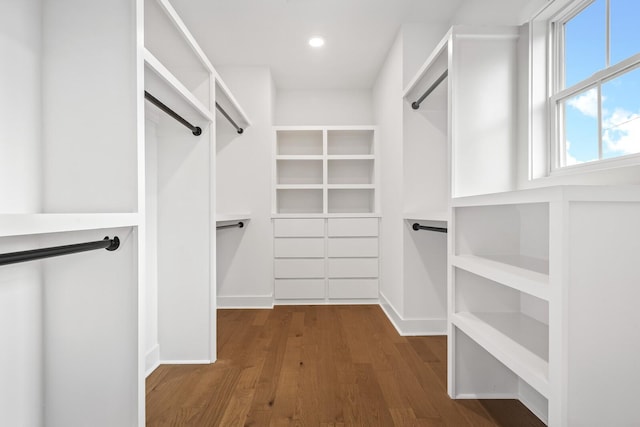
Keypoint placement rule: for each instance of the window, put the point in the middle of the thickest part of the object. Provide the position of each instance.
(595, 100)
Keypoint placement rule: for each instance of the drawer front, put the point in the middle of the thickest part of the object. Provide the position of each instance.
(353, 227)
(353, 288)
(299, 289)
(353, 267)
(353, 247)
(286, 268)
(304, 227)
(302, 247)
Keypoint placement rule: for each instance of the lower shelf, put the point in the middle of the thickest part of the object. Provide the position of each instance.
(518, 341)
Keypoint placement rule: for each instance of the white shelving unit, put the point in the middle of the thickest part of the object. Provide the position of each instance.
(529, 271)
(62, 317)
(325, 181)
(325, 171)
(180, 189)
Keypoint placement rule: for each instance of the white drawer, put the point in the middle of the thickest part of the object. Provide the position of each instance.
(353, 288)
(299, 289)
(353, 227)
(286, 268)
(303, 227)
(353, 267)
(301, 247)
(353, 247)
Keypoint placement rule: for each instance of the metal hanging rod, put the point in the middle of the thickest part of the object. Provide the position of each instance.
(155, 101)
(417, 227)
(228, 117)
(239, 225)
(23, 256)
(416, 104)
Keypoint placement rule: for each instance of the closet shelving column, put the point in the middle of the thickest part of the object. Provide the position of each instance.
(325, 210)
(71, 323)
(180, 188)
(542, 300)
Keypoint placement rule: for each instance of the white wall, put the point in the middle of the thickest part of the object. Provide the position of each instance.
(418, 43)
(387, 106)
(323, 107)
(20, 99)
(496, 12)
(21, 323)
(243, 174)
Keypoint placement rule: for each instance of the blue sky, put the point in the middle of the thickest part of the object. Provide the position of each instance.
(585, 38)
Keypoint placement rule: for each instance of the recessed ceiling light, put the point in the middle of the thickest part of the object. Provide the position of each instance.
(316, 41)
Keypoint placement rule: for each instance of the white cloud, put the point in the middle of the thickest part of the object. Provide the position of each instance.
(587, 103)
(621, 133)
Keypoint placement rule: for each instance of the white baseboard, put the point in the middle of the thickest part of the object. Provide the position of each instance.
(186, 362)
(367, 301)
(477, 396)
(412, 327)
(152, 360)
(245, 301)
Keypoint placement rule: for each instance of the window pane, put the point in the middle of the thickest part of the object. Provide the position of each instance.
(621, 115)
(585, 39)
(625, 34)
(581, 128)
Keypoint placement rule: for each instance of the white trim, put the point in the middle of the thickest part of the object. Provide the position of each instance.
(152, 360)
(537, 411)
(325, 301)
(412, 327)
(476, 396)
(186, 362)
(241, 301)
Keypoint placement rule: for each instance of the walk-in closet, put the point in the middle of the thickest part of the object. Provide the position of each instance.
(305, 212)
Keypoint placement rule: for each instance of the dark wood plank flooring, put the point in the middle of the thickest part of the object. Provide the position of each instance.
(319, 366)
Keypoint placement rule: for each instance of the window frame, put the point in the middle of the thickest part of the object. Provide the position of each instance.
(558, 93)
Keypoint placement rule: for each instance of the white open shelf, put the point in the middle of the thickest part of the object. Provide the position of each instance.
(525, 280)
(442, 216)
(233, 216)
(169, 87)
(518, 341)
(31, 224)
(328, 170)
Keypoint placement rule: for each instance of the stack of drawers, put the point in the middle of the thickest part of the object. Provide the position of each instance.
(318, 258)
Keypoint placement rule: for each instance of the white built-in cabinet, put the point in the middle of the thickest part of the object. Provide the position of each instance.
(543, 301)
(325, 210)
(75, 329)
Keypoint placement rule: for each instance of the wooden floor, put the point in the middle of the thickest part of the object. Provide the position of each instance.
(318, 366)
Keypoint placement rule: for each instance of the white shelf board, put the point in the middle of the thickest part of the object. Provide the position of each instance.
(174, 85)
(576, 193)
(351, 186)
(523, 279)
(229, 99)
(351, 157)
(324, 215)
(234, 216)
(300, 157)
(439, 49)
(31, 224)
(299, 187)
(518, 341)
(441, 216)
(321, 128)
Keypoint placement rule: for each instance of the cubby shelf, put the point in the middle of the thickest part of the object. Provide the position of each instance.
(518, 341)
(327, 170)
(522, 279)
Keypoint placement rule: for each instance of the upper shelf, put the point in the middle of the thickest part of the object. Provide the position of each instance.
(162, 84)
(169, 41)
(31, 224)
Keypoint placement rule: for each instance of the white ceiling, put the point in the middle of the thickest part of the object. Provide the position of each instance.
(358, 35)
